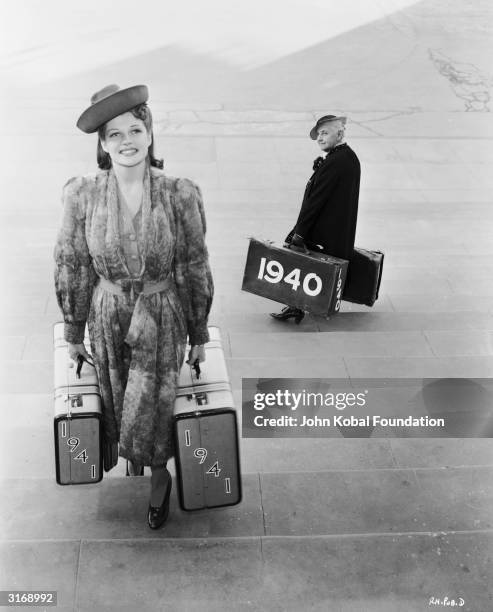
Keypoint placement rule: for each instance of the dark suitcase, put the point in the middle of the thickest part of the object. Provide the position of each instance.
(206, 434)
(311, 281)
(78, 427)
(364, 276)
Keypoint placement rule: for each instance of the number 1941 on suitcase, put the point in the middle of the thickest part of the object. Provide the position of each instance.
(206, 434)
(78, 417)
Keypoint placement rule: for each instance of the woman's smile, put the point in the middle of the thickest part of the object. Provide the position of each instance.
(129, 151)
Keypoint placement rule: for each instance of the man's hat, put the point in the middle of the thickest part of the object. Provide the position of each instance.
(325, 119)
(110, 102)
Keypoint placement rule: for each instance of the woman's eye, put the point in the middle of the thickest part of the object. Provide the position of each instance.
(137, 131)
(113, 134)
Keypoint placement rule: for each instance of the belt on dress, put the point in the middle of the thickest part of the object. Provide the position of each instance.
(134, 286)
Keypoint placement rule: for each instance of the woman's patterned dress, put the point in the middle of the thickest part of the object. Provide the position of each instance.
(137, 341)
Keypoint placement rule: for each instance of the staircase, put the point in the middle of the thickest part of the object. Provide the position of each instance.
(335, 524)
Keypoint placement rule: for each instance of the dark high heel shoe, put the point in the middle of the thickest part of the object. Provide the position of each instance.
(133, 469)
(156, 516)
(287, 313)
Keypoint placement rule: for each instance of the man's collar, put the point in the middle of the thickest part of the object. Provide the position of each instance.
(336, 148)
(320, 160)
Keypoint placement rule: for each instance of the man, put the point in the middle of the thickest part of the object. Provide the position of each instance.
(327, 219)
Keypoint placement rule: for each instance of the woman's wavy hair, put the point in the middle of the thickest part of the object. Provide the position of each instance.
(142, 112)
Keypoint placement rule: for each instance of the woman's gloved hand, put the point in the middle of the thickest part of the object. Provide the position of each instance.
(196, 352)
(74, 350)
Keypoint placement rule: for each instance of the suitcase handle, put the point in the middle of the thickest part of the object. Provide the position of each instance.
(80, 362)
(297, 249)
(196, 367)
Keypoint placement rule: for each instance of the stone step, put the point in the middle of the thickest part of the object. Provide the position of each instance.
(371, 573)
(36, 376)
(335, 502)
(38, 329)
(236, 301)
(398, 344)
(351, 321)
(26, 439)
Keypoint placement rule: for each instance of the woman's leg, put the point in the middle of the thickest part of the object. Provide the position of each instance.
(158, 510)
(159, 484)
(134, 469)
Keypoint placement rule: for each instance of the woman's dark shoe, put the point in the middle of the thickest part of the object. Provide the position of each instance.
(134, 469)
(156, 516)
(289, 312)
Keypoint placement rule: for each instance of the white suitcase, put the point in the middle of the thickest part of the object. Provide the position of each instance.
(78, 427)
(212, 389)
(206, 434)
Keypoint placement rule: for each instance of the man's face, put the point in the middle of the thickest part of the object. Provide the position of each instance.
(329, 134)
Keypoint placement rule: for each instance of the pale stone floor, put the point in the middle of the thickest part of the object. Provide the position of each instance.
(337, 524)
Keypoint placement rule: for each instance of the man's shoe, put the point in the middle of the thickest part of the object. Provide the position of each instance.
(156, 516)
(287, 313)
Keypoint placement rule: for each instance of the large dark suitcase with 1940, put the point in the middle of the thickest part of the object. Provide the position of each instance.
(311, 281)
(206, 434)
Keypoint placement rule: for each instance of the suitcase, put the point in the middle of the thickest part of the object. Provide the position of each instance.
(363, 277)
(311, 281)
(78, 428)
(206, 434)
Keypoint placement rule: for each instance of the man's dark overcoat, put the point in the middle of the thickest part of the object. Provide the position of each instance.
(330, 204)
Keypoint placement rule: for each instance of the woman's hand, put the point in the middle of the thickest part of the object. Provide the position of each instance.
(196, 352)
(77, 349)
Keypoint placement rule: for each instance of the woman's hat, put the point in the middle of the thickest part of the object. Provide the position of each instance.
(110, 102)
(325, 119)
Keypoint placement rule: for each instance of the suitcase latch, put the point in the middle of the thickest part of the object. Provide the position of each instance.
(200, 398)
(76, 401)
(73, 401)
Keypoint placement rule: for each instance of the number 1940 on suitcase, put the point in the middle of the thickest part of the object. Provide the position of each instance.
(311, 281)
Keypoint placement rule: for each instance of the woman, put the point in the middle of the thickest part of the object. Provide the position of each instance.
(131, 261)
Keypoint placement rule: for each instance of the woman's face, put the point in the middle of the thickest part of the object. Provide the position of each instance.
(126, 140)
